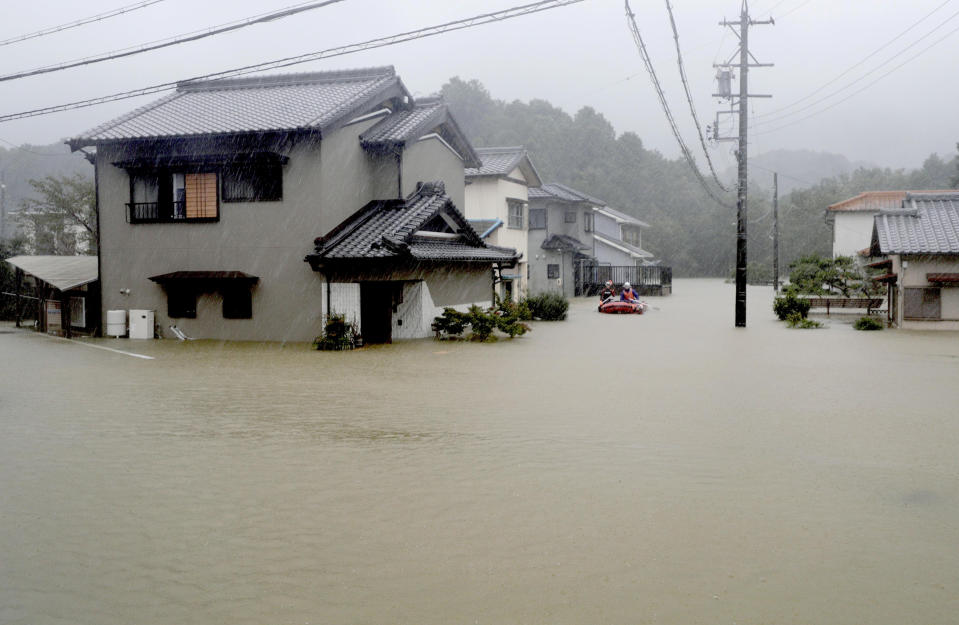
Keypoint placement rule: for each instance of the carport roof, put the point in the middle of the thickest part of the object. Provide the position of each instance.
(61, 272)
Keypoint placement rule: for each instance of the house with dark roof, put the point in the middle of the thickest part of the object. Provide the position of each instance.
(920, 246)
(497, 204)
(561, 224)
(211, 199)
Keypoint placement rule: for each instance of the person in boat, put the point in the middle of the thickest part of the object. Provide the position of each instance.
(608, 292)
(628, 294)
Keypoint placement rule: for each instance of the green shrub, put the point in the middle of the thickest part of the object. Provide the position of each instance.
(796, 320)
(338, 335)
(519, 310)
(548, 306)
(482, 323)
(867, 323)
(789, 304)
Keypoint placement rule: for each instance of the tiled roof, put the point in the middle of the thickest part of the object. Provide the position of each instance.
(563, 243)
(874, 201)
(554, 190)
(502, 162)
(392, 229)
(403, 125)
(928, 224)
(426, 116)
(497, 161)
(310, 101)
(620, 217)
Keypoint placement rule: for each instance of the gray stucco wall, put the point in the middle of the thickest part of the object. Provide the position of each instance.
(429, 160)
(323, 183)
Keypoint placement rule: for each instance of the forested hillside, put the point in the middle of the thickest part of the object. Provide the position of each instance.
(20, 165)
(689, 231)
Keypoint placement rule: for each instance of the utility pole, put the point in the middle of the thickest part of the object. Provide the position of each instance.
(3, 208)
(744, 64)
(775, 232)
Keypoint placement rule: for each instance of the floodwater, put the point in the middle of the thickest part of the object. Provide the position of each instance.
(664, 468)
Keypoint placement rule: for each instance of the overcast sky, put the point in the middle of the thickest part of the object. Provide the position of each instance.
(580, 55)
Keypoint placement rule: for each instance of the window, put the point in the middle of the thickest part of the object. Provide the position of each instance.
(181, 302)
(157, 197)
(78, 311)
(631, 236)
(552, 272)
(237, 303)
(921, 304)
(571, 216)
(253, 182)
(588, 221)
(515, 214)
(537, 219)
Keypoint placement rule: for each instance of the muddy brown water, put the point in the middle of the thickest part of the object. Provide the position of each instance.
(664, 468)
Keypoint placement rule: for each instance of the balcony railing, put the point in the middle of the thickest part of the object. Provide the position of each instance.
(647, 280)
(163, 212)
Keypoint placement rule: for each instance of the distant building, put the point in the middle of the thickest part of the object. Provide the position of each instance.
(497, 204)
(212, 198)
(560, 237)
(920, 243)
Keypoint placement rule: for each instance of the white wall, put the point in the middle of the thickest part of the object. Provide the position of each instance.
(851, 232)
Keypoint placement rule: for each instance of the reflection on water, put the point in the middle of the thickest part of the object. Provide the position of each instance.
(667, 468)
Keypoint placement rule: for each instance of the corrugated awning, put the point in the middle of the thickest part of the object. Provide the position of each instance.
(237, 277)
(61, 272)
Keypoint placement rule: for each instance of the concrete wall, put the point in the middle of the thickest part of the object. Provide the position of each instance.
(852, 232)
(540, 258)
(323, 183)
(431, 159)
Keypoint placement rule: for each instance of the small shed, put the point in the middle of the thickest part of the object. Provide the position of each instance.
(66, 289)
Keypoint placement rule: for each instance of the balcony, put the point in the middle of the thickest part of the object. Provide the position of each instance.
(165, 213)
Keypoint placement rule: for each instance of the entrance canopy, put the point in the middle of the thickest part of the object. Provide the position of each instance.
(205, 277)
(61, 272)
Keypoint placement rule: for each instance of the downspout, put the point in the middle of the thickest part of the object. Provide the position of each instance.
(399, 172)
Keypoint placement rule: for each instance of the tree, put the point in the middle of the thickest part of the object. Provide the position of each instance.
(62, 220)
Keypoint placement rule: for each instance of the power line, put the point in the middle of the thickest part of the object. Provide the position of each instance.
(430, 31)
(860, 63)
(641, 46)
(689, 98)
(176, 40)
(81, 22)
(866, 86)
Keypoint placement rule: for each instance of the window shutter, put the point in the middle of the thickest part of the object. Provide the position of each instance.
(201, 196)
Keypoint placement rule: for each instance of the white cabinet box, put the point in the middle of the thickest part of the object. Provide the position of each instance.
(141, 323)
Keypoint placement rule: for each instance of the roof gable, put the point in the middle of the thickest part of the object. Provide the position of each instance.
(425, 117)
(313, 102)
(557, 191)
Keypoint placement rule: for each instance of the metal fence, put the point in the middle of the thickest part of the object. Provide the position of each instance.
(653, 280)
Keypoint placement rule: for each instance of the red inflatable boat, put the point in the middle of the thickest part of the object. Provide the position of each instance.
(616, 307)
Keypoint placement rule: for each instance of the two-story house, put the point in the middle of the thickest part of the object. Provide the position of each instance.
(618, 238)
(497, 201)
(210, 200)
(561, 224)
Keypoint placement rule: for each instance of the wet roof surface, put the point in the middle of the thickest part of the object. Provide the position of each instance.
(928, 224)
